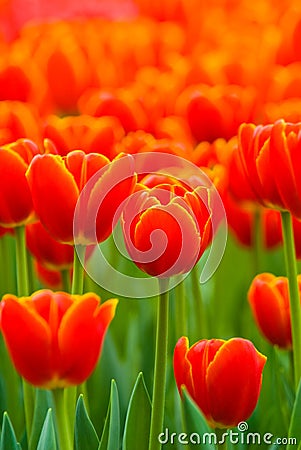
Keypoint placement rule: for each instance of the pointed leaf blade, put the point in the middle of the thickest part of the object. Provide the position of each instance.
(85, 434)
(137, 423)
(110, 439)
(47, 439)
(8, 438)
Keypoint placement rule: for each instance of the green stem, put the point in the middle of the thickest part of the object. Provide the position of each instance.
(21, 256)
(66, 279)
(64, 432)
(201, 322)
(23, 290)
(181, 311)
(295, 310)
(78, 270)
(158, 400)
(6, 274)
(221, 438)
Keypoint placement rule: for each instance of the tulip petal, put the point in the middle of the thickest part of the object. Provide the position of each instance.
(182, 366)
(200, 355)
(109, 191)
(54, 193)
(28, 340)
(268, 297)
(80, 337)
(233, 382)
(282, 144)
(16, 206)
(171, 233)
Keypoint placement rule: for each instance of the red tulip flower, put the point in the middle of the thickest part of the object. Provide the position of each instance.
(271, 158)
(54, 338)
(269, 300)
(49, 278)
(50, 253)
(241, 217)
(16, 206)
(167, 228)
(56, 184)
(222, 377)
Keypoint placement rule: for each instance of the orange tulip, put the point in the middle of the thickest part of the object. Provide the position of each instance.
(271, 157)
(56, 183)
(269, 300)
(16, 207)
(19, 120)
(90, 134)
(121, 104)
(222, 377)
(181, 220)
(54, 338)
(215, 112)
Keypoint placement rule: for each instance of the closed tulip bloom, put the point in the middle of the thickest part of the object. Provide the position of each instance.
(54, 338)
(16, 206)
(269, 300)
(167, 228)
(222, 377)
(48, 278)
(56, 183)
(271, 157)
(50, 253)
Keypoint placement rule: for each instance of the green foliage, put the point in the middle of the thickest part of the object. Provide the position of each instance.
(294, 428)
(110, 439)
(41, 411)
(195, 424)
(8, 439)
(47, 439)
(85, 434)
(137, 424)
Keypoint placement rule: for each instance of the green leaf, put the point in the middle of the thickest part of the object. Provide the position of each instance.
(198, 433)
(41, 408)
(294, 431)
(85, 434)
(137, 423)
(8, 439)
(47, 439)
(110, 439)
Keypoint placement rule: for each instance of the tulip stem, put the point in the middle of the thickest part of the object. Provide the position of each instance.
(7, 280)
(295, 310)
(198, 305)
(64, 432)
(181, 313)
(158, 399)
(65, 273)
(23, 290)
(22, 267)
(221, 436)
(78, 270)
